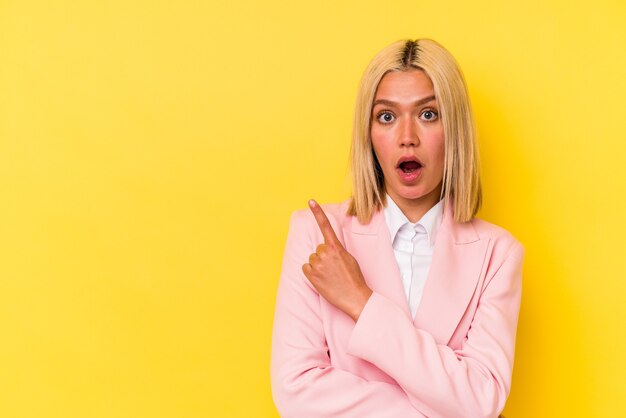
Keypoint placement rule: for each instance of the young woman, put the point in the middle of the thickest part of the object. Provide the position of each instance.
(399, 302)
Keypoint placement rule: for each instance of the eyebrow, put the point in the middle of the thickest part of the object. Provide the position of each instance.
(416, 103)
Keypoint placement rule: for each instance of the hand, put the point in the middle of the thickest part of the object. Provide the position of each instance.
(334, 272)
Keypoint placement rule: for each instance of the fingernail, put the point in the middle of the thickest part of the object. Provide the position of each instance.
(312, 203)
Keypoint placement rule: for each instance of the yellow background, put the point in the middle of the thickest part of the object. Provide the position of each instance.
(151, 153)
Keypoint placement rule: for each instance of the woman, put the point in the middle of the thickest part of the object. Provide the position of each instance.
(399, 302)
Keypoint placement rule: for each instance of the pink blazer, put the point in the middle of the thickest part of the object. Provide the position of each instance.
(454, 359)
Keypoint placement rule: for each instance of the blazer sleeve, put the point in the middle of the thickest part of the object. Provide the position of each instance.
(304, 383)
(473, 381)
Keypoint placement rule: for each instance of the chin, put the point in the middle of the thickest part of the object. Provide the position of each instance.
(413, 192)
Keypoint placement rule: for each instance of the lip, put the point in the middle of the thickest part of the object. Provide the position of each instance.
(409, 178)
(406, 158)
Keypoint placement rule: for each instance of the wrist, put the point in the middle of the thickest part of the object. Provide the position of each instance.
(360, 304)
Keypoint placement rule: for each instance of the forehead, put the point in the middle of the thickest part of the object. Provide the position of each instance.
(402, 86)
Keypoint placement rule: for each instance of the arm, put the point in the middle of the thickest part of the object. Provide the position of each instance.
(473, 381)
(304, 383)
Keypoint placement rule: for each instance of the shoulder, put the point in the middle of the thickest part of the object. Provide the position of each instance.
(504, 243)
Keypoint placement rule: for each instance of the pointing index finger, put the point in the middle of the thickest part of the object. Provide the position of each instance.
(323, 222)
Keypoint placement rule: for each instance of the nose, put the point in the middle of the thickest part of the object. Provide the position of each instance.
(409, 133)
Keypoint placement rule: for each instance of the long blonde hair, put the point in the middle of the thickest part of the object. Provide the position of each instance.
(461, 188)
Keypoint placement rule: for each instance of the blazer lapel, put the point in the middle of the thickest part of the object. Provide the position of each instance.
(457, 264)
(371, 245)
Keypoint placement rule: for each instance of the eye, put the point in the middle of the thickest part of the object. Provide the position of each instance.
(385, 117)
(429, 115)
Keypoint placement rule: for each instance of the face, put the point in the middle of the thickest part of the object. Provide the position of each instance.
(408, 140)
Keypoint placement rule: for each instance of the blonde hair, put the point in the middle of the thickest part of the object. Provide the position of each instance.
(461, 188)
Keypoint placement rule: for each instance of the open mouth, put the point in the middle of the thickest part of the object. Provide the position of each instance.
(409, 166)
(409, 169)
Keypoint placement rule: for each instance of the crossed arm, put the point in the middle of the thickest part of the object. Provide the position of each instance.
(432, 379)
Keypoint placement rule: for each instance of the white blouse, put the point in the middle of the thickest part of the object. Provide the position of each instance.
(413, 245)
